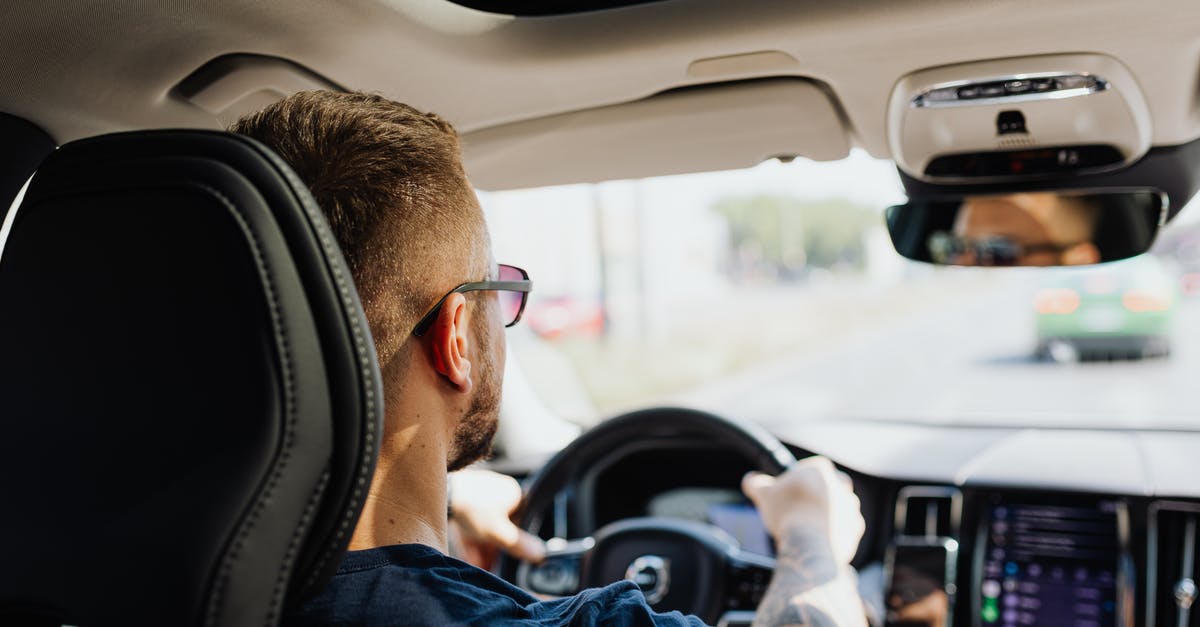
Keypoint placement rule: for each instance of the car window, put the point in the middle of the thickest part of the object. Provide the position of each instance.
(774, 294)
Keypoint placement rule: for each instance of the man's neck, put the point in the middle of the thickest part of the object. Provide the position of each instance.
(397, 511)
(406, 502)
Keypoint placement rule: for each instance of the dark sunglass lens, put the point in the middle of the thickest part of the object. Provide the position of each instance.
(510, 302)
(510, 273)
(998, 251)
(510, 305)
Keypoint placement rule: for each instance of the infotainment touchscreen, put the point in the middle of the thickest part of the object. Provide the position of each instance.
(1051, 565)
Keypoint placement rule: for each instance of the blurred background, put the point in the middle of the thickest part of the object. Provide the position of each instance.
(773, 294)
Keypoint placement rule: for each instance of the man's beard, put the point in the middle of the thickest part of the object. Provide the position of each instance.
(475, 431)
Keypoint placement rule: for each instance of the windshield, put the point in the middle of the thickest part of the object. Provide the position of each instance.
(773, 294)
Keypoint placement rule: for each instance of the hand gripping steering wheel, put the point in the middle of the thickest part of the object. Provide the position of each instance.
(684, 565)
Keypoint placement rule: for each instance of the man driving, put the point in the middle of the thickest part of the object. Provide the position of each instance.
(391, 182)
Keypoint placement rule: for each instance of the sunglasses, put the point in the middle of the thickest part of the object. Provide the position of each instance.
(511, 282)
(995, 250)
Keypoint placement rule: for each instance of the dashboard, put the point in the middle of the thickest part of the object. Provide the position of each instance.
(724, 508)
(1048, 534)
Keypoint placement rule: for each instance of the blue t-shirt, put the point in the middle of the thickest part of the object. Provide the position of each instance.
(412, 584)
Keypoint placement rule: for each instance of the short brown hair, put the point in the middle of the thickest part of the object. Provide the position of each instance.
(390, 181)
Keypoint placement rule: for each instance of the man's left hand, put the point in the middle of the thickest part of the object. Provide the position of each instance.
(481, 505)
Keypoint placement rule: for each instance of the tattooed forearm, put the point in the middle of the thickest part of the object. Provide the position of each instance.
(809, 587)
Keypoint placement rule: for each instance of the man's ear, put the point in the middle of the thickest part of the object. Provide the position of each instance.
(447, 342)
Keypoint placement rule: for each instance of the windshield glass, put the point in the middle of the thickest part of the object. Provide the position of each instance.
(773, 294)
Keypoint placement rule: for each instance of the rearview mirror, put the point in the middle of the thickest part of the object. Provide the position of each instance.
(1064, 228)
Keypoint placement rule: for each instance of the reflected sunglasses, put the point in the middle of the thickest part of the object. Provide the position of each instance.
(513, 284)
(992, 250)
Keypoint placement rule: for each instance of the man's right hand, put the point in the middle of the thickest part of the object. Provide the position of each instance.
(812, 498)
(813, 514)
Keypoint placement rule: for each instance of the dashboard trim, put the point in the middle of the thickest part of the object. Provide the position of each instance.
(1152, 511)
(928, 491)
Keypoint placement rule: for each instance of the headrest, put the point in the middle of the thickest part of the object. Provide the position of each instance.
(189, 398)
(25, 145)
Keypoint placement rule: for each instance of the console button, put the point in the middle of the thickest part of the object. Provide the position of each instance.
(992, 90)
(1017, 87)
(967, 93)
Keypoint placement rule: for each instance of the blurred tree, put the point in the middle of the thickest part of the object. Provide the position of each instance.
(783, 237)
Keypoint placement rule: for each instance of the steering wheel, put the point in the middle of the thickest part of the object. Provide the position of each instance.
(684, 565)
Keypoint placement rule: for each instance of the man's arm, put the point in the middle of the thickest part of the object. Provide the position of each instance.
(481, 502)
(814, 516)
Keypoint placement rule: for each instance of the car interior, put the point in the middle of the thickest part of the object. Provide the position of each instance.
(190, 404)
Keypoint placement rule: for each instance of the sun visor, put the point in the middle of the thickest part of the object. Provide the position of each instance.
(1018, 119)
(697, 129)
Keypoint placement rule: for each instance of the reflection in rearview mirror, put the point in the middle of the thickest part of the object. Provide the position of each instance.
(1067, 228)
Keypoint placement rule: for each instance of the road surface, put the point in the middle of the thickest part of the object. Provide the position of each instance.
(967, 362)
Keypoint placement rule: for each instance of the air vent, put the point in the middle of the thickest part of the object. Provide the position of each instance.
(1171, 588)
(928, 511)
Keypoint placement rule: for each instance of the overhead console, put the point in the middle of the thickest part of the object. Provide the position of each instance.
(1020, 118)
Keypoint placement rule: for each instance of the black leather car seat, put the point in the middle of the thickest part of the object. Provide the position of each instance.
(24, 146)
(189, 398)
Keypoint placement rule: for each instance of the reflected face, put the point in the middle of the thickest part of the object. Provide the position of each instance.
(1005, 216)
(1048, 229)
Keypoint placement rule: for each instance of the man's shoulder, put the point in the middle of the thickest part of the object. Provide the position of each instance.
(409, 581)
(620, 604)
(418, 585)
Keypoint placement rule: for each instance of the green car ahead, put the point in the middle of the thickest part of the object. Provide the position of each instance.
(1121, 310)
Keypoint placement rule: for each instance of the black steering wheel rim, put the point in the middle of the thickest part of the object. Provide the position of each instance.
(762, 451)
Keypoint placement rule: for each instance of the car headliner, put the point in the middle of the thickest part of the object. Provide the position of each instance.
(78, 69)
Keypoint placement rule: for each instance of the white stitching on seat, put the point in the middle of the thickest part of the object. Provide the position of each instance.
(281, 340)
(331, 250)
(314, 499)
